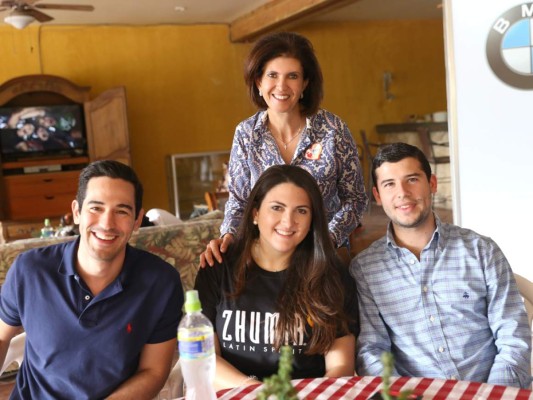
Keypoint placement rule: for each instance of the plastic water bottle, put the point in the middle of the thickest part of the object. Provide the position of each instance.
(197, 350)
(47, 230)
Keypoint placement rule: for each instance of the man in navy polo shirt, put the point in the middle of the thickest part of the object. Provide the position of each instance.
(100, 316)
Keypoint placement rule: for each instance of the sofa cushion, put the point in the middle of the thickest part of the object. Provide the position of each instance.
(180, 245)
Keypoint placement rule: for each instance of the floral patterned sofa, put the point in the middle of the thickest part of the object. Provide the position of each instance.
(179, 244)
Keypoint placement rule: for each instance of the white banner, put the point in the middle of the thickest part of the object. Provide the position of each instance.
(490, 107)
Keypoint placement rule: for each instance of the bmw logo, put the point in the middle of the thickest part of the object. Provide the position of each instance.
(510, 47)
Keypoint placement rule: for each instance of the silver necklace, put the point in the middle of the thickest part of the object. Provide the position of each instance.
(286, 144)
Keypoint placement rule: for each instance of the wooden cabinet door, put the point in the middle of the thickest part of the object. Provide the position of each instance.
(40, 195)
(107, 126)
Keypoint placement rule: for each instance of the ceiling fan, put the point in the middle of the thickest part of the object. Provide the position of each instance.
(24, 12)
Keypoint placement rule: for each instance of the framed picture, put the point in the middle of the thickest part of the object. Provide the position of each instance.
(190, 176)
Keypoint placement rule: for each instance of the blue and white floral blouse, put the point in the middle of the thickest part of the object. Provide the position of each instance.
(326, 149)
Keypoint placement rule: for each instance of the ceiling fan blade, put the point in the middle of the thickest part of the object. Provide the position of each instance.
(73, 7)
(38, 15)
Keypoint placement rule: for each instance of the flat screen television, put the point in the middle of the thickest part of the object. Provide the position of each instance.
(41, 132)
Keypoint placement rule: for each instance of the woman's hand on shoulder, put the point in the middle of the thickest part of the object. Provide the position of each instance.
(214, 250)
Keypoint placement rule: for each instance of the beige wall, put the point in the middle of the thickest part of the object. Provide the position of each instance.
(184, 83)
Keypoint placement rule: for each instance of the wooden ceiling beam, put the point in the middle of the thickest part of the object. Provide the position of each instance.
(277, 14)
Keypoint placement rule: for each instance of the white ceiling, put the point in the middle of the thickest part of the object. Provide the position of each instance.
(148, 12)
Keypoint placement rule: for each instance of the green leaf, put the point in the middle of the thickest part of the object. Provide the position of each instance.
(279, 385)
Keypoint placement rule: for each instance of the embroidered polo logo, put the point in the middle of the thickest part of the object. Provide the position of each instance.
(466, 295)
(128, 328)
(314, 152)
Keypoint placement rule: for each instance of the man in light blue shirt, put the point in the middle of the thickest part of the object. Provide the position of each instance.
(440, 298)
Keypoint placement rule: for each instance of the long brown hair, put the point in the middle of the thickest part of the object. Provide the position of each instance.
(313, 290)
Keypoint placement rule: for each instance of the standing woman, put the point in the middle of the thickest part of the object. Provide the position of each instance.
(284, 81)
(281, 283)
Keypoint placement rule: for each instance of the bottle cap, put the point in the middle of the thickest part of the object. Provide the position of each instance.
(46, 222)
(192, 302)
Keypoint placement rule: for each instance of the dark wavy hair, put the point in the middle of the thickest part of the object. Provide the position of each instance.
(110, 169)
(395, 152)
(313, 289)
(285, 44)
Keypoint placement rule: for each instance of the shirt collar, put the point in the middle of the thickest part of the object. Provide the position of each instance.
(67, 265)
(438, 237)
(261, 125)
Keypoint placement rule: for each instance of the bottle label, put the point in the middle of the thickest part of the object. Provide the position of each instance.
(194, 348)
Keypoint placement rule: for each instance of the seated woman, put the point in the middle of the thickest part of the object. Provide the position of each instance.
(281, 283)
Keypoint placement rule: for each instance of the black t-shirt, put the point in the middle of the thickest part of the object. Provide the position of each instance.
(245, 326)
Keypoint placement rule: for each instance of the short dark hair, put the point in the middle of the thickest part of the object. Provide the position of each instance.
(110, 169)
(395, 152)
(285, 44)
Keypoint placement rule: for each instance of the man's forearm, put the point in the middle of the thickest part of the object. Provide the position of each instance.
(506, 374)
(153, 371)
(4, 346)
(142, 385)
(368, 365)
(7, 333)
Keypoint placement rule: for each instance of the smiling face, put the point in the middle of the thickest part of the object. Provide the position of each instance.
(47, 121)
(282, 84)
(25, 130)
(106, 220)
(283, 218)
(43, 134)
(405, 193)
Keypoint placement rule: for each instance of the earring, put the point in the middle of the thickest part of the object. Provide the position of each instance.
(255, 222)
(302, 95)
(260, 94)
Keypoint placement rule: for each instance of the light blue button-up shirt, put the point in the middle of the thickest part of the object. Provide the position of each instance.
(455, 314)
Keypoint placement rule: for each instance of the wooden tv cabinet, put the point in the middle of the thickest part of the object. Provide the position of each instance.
(46, 193)
(38, 188)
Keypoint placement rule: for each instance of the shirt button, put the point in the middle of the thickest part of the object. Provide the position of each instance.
(432, 318)
(453, 377)
(425, 289)
(441, 349)
(87, 297)
(413, 262)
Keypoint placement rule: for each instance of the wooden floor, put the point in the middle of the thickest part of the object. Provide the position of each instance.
(374, 226)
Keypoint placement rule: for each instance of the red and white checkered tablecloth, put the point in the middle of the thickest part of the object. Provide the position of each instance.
(358, 387)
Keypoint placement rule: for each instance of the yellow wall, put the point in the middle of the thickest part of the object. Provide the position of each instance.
(354, 57)
(184, 83)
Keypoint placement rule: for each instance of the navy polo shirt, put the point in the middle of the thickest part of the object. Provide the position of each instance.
(80, 346)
